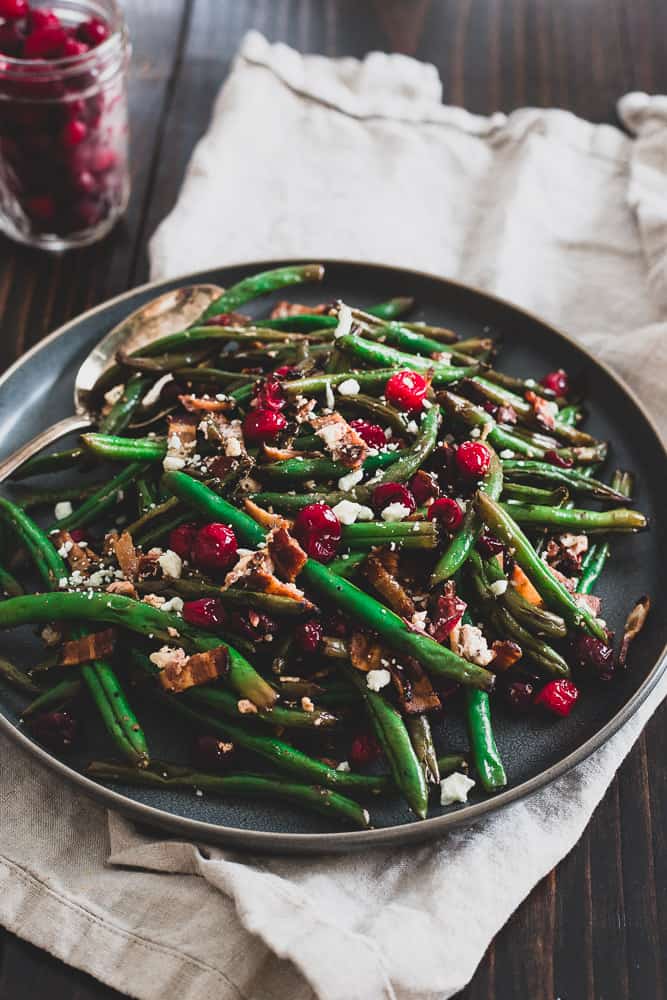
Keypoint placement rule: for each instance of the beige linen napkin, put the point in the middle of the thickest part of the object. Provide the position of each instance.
(307, 156)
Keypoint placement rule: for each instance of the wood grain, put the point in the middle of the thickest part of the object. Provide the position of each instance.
(595, 928)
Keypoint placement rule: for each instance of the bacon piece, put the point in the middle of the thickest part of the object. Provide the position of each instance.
(414, 688)
(282, 454)
(341, 440)
(124, 588)
(179, 672)
(633, 625)
(507, 654)
(89, 647)
(126, 554)
(589, 602)
(264, 517)
(195, 404)
(388, 587)
(287, 555)
(283, 309)
(366, 653)
(182, 433)
(80, 559)
(449, 611)
(544, 409)
(256, 571)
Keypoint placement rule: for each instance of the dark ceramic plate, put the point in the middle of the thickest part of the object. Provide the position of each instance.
(38, 391)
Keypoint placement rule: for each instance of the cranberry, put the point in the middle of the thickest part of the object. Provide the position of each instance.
(11, 39)
(269, 394)
(85, 182)
(558, 697)
(372, 434)
(74, 132)
(56, 730)
(263, 425)
(206, 612)
(561, 461)
(424, 486)
(103, 160)
(472, 459)
(13, 8)
(318, 530)
(338, 625)
(557, 381)
(254, 625)
(363, 750)
(41, 208)
(406, 390)
(590, 653)
(308, 636)
(449, 611)
(212, 754)
(222, 319)
(73, 48)
(388, 493)
(491, 408)
(93, 32)
(519, 695)
(284, 371)
(214, 547)
(181, 539)
(45, 43)
(77, 535)
(488, 545)
(447, 512)
(40, 17)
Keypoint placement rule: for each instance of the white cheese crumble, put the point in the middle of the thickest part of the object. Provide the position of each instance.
(62, 510)
(344, 321)
(172, 463)
(507, 453)
(173, 604)
(347, 512)
(412, 427)
(427, 404)
(344, 766)
(395, 512)
(346, 483)
(455, 788)
(113, 395)
(475, 432)
(498, 587)
(65, 549)
(171, 564)
(377, 679)
(350, 387)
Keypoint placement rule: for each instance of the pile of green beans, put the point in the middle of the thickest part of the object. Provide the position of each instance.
(283, 708)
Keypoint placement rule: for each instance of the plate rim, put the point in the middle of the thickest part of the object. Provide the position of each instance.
(319, 843)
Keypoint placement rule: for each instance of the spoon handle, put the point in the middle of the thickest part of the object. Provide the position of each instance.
(47, 437)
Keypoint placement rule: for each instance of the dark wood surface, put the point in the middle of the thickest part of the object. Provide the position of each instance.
(596, 927)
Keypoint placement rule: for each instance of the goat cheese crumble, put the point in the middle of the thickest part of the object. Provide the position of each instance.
(455, 788)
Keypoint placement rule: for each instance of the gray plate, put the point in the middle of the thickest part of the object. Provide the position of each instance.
(38, 390)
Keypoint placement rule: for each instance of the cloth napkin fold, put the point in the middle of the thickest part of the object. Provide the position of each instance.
(307, 156)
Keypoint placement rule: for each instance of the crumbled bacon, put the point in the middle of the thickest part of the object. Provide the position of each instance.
(544, 409)
(181, 433)
(507, 653)
(179, 672)
(506, 415)
(284, 309)
(87, 648)
(287, 555)
(366, 653)
(264, 517)
(81, 559)
(199, 404)
(341, 440)
(126, 554)
(413, 686)
(123, 587)
(565, 552)
(282, 454)
(449, 611)
(304, 409)
(256, 571)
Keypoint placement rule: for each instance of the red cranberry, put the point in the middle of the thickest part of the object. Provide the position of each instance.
(488, 545)
(41, 208)
(13, 8)
(557, 381)
(254, 625)
(449, 611)
(222, 319)
(308, 636)
(424, 486)
(77, 535)
(72, 48)
(472, 459)
(406, 390)
(519, 695)
(387, 493)
(269, 394)
(263, 425)
(212, 754)
(103, 160)
(337, 625)
(75, 131)
(284, 371)
(85, 182)
(11, 39)
(181, 539)
(558, 697)
(590, 653)
(318, 531)
(491, 408)
(561, 461)
(447, 512)
(214, 547)
(45, 43)
(206, 612)
(93, 32)
(56, 730)
(41, 17)
(372, 434)
(364, 750)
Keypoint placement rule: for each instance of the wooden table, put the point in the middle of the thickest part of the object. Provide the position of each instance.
(596, 927)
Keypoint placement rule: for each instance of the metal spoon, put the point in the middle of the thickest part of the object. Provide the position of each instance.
(167, 314)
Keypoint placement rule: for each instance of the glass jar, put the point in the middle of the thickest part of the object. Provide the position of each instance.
(64, 177)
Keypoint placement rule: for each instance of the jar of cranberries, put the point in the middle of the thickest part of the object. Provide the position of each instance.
(64, 177)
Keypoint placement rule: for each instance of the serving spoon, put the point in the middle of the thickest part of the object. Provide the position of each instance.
(169, 313)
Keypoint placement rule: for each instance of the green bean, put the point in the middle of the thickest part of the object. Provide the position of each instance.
(324, 468)
(533, 494)
(421, 737)
(48, 563)
(121, 449)
(263, 284)
(43, 498)
(465, 538)
(452, 762)
(597, 555)
(392, 308)
(218, 376)
(381, 412)
(488, 763)
(158, 532)
(552, 590)
(98, 502)
(519, 385)
(17, 678)
(340, 592)
(382, 357)
(538, 621)
(193, 588)
(621, 519)
(503, 397)
(292, 503)
(347, 565)
(406, 534)
(55, 697)
(577, 482)
(122, 411)
(55, 461)
(414, 457)
(115, 710)
(322, 800)
(9, 585)
(168, 506)
(145, 494)
(394, 739)
(411, 341)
